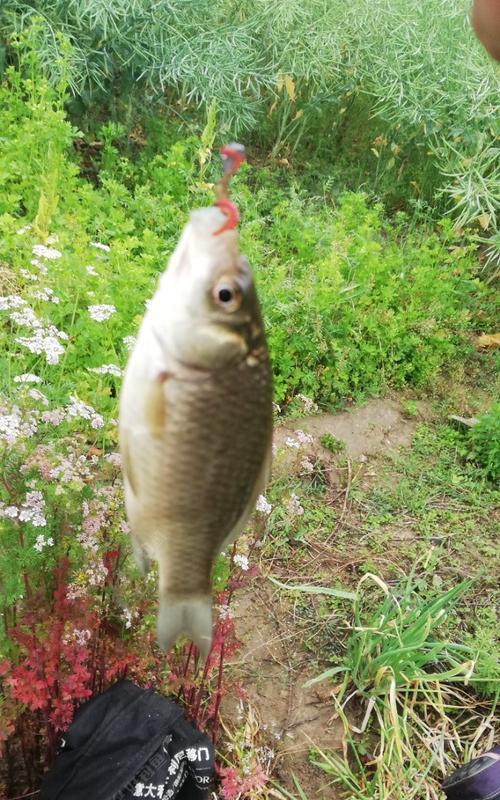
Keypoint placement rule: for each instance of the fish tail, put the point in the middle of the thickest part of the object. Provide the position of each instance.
(189, 615)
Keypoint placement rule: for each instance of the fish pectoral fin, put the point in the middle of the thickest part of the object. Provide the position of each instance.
(155, 407)
(141, 557)
(189, 615)
(126, 461)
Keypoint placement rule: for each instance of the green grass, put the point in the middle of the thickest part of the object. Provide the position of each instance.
(413, 685)
(444, 499)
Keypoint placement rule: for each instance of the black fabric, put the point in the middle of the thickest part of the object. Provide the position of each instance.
(130, 742)
(477, 780)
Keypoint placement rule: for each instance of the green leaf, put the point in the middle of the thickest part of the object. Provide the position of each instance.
(310, 589)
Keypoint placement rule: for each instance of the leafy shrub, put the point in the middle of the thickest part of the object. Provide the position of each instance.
(353, 303)
(375, 306)
(484, 443)
(294, 72)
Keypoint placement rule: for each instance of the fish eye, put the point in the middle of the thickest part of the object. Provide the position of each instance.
(225, 295)
(228, 296)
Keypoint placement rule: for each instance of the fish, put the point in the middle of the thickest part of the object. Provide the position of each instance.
(195, 421)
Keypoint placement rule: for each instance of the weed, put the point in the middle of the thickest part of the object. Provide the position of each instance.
(484, 443)
(331, 443)
(406, 678)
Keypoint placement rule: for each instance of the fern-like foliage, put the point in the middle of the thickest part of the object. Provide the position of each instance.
(282, 67)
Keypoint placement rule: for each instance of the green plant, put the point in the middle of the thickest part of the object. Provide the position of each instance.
(411, 408)
(331, 443)
(393, 646)
(297, 73)
(35, 137)
(406, 678)
(483, 443)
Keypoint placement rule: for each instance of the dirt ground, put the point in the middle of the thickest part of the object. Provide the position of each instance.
(273, 666)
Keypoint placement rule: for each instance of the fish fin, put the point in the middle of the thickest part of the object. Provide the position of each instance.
(126, 462)
(189, 615)
(141, 558)
(155, 409)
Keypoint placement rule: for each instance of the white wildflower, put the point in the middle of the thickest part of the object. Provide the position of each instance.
(309, 405)
(9, 511)
(242, 562)
(90, 270)
(30, 276)
(25, 318)
(307, 465)
(82, 636)
(100, 313)
(294, 508)
(71, 467)
(100, 246)
(38, 396)
(46, 252)
(129, 341)
(40, 267)
(304, 438)
(42, 542)
(114, 459)
(45, 294)
(54, 417)
(225, 612)
(291, 442)
(74, 591)
(46, 341)
(23, 230)
(107, 369)
(12, 426)
(32, 510)
(27, 377)
(76, 408)
(11, 301)
(127, 617)
(263, 505)
(97, 573)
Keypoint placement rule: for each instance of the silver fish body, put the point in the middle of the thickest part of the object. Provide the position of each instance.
(195, 422)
